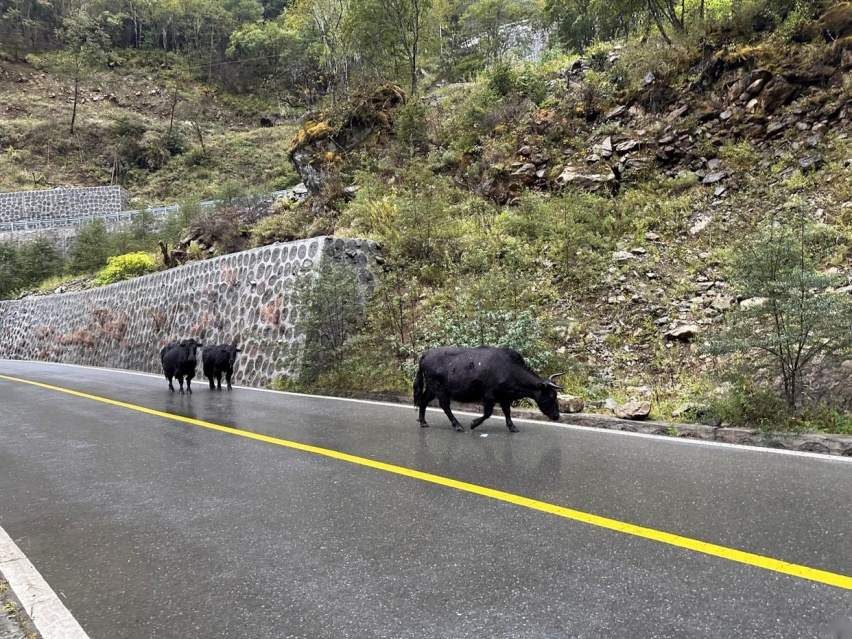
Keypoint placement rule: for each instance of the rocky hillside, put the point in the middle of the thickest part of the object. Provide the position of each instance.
(587, 206)
(134, 127)
(680, 166)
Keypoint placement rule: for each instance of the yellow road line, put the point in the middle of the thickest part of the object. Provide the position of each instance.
(723, 552)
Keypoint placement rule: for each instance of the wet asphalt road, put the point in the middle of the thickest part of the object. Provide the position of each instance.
(147, 527)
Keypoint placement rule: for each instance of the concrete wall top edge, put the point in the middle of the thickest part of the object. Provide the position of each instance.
(325, 244)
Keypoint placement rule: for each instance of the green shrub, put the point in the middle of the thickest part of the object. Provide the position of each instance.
(91, 247)
(502, 79)
(801, 332)
(740, 155)
(125, 267)
(196, 157)
(469, 122)
(411, 126)
(531, 84)
(154, 150)
(10, 279)
(748, 405)
(826, 419)
(331, 309)
(283, 227)
(519, 330)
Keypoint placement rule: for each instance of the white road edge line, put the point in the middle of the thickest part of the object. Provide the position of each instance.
(48, 614)
(677, 441)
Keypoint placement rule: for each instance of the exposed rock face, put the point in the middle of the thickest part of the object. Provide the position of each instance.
(319, 142)
(314, 177)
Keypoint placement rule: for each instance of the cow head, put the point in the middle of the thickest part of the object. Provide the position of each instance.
(232, 354)
(191, 345)
(547, 397)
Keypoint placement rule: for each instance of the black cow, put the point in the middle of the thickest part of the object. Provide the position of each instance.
(219, 359)
(486, 374)
(179, 360)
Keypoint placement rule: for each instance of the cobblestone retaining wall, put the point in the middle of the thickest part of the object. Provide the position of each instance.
(63, 236)
(242, 296)
(61, 203)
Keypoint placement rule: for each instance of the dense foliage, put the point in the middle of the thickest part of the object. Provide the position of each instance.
(304, 49)
(125, 267)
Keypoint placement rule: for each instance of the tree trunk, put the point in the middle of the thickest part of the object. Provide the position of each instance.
(76, 93)
(172, 114)
(659, 23)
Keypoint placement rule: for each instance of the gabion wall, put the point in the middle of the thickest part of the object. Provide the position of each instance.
(242, 296)
(60, 203)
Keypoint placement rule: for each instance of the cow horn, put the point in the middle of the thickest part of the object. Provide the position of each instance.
(554, 384)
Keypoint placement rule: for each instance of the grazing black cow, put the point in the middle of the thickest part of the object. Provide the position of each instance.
(486, 374)
(219, 359)
(179, 360)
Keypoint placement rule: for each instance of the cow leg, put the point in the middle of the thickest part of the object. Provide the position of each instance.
(210, 379)
(218, 380)
(180, 383)
(445, 405)
(489, 408)
(188, 381)
(228, 379)
(507, 411)
(428, 396)
(171, 388)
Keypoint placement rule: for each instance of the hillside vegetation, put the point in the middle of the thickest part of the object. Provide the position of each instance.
(660, 205)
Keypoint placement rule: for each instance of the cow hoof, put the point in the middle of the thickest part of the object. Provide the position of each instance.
(459, 428)
(424, 425)
(513, 430)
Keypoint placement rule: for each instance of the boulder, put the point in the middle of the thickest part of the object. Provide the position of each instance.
(626, 146)
(810, 163)
(684, 333)
(778, 93)
(753, 302)
(571, 404)
(634, 409)
(712, 178)
(571, 177)
(755, 87)
(617, 111)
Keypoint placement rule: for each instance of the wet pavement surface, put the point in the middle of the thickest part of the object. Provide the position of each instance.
(148, 527)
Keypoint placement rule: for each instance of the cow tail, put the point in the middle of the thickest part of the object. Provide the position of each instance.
(418, 387)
